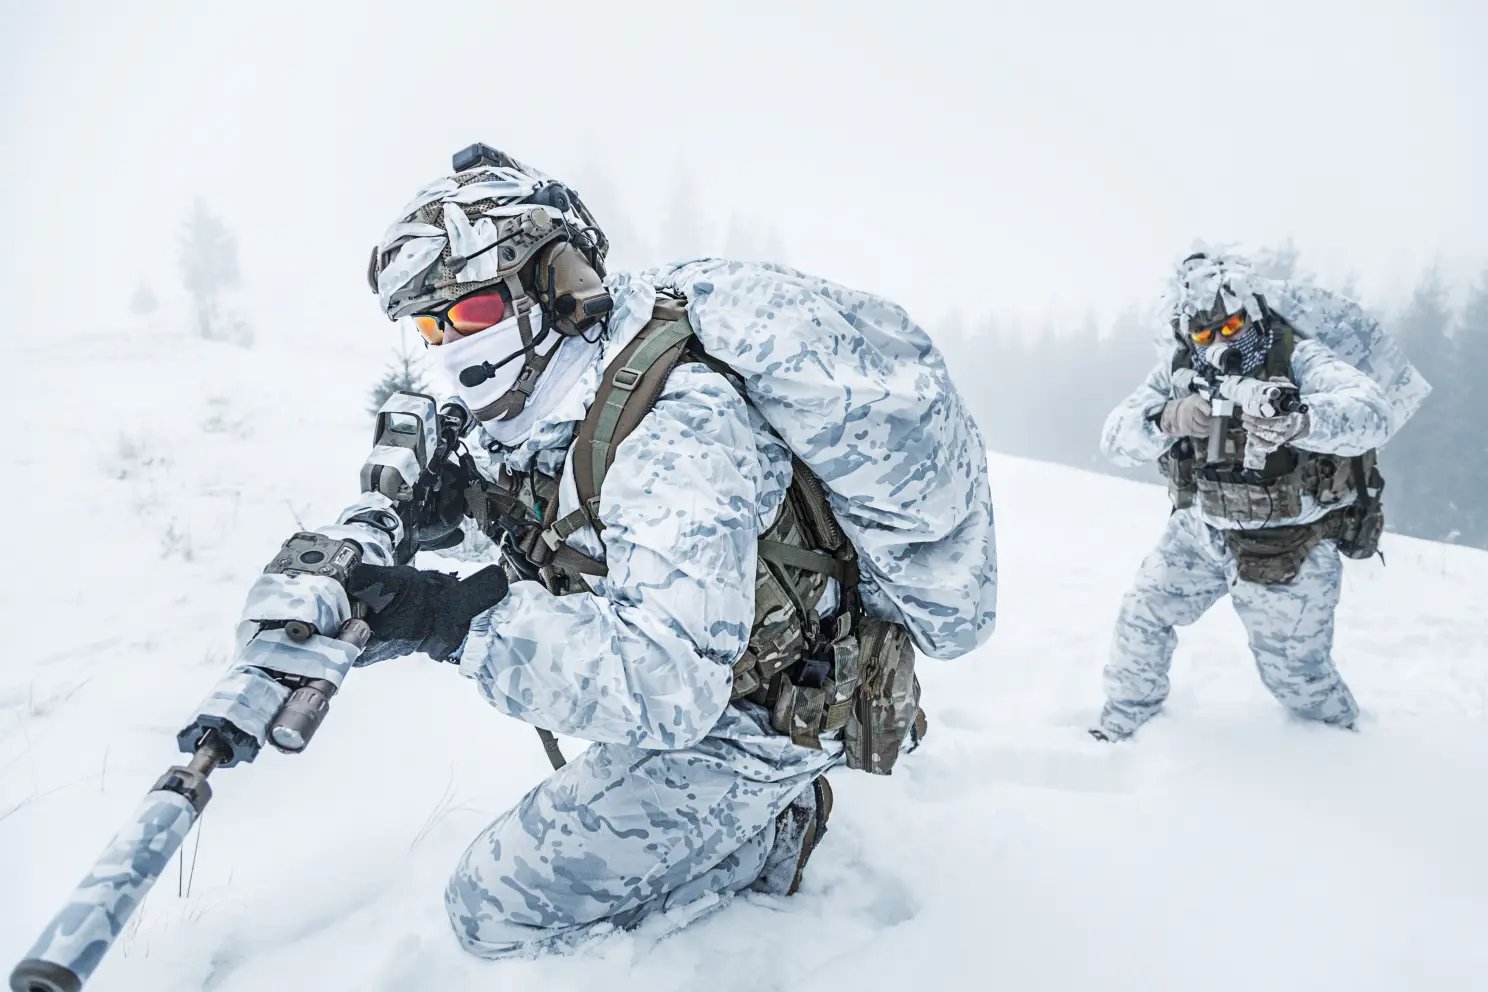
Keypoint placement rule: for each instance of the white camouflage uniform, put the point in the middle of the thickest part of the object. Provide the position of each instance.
(674, 807)
(1290, 625)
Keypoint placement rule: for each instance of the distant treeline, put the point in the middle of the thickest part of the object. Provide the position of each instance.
(1046, 395)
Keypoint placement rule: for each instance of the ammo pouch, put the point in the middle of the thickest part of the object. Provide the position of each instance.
(1274, 555)
(807, 689)
(815, 697)
(1356, 529)
(870, 693)
(1246, 501)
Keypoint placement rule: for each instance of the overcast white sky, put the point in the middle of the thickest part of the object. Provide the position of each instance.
(955, 156)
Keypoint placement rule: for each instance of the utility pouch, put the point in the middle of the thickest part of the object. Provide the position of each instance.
(1358, 527)
(888, 698)
(1272, 556)
(816, 696)
(1177, 466)
(776, 641)
(1247, 502)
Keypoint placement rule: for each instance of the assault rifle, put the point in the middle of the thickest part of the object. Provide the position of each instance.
(280, 687)
(1221, 383)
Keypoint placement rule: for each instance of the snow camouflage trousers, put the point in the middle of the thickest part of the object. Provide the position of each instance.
(622, 834)
(1290, 627)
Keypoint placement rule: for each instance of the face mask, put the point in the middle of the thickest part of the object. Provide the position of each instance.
(1253, 345)
(1250, 345)
(497, 344)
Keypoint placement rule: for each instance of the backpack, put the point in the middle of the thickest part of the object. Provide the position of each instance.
(852, 671)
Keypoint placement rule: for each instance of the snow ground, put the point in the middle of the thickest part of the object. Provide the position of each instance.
(1230, 847)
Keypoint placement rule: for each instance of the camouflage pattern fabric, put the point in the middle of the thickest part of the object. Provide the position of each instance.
(624, 833)
(651, 652)
(857, 389)
(245, 699)
(319, 657)
(95, 914)
(316, 599)
(1290, 627)
(1348, 412)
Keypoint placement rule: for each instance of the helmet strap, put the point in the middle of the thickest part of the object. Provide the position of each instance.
(514, 400)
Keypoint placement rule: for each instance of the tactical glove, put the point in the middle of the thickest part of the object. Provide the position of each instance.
(413, 610)
(1269, 433)
(1186, 417)
(438, 525)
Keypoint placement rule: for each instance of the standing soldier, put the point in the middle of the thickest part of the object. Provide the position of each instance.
(1264, 414)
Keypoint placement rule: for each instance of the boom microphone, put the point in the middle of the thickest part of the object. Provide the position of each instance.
(476, 374)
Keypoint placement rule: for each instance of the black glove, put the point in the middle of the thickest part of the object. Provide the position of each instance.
(439, 519)
(414, 610)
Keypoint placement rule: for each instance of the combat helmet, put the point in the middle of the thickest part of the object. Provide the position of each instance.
(497, 222)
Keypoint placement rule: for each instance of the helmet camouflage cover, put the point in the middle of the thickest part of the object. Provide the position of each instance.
(1207, 287)
(473, 229)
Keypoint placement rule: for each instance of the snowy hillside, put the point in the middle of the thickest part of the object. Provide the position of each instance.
(1229, 847)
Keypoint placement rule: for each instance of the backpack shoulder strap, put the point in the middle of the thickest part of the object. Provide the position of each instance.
(1283, 342)
(627, 392)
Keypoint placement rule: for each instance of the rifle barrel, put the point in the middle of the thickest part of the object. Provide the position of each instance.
(77, 938)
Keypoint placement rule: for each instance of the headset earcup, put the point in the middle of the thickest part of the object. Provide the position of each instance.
(567, 286)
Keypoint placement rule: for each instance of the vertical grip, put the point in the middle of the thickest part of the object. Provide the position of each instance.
(1218, 424)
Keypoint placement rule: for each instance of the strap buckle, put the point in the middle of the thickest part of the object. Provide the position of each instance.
(814, 671)
(626, 378)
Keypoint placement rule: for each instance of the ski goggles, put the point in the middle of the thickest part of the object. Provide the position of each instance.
(466, 316)
(1227, 328)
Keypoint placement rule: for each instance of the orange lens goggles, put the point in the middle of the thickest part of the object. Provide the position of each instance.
(466, 316)
(1232, 325)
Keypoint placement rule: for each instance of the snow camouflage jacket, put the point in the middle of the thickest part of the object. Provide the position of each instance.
(647, 659)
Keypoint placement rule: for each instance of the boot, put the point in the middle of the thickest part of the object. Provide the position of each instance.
(799, 828)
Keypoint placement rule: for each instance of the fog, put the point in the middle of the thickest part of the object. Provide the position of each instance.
(1026, 157)
(1040, 164)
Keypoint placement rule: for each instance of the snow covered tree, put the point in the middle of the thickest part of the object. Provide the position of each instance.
(402, 374)
(1462, 399)
(209, 268)
(1422, 464)
(143, 303)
